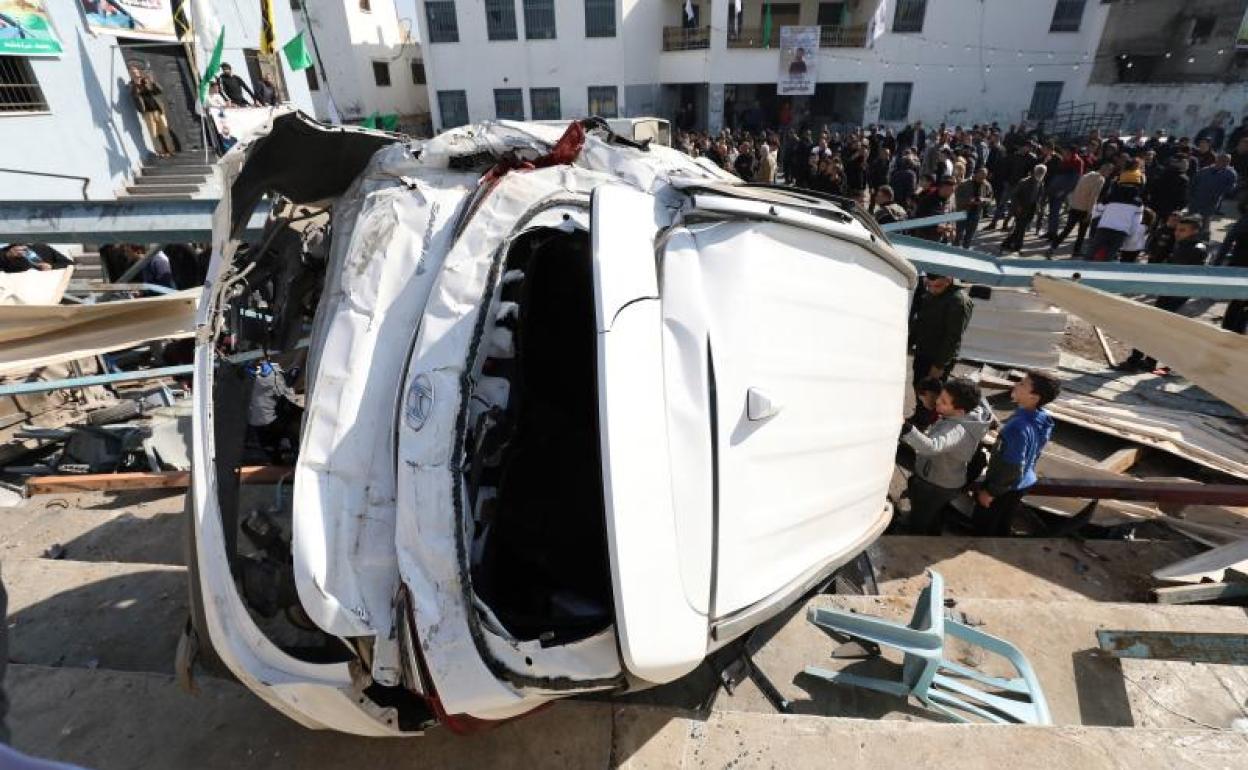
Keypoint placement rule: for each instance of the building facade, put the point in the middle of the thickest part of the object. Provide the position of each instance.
(367, 61)
(701, 64)
(1173, 66)
(69, 129)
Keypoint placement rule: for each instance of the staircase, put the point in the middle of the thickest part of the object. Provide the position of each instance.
(93, 638)
(182, 177)
(1072, 122)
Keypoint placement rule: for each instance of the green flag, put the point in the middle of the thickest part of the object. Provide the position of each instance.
(214, 66)
(388, 122)
(767, 25)
(370, 121)
(297, 55)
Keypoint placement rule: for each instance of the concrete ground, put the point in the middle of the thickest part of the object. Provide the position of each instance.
(94, 634)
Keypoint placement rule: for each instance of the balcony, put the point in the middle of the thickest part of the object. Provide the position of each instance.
(835, 36)
(830, 36)
(686, 38)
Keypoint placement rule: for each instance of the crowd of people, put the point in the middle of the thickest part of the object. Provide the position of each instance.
(1143, 197)
(1115, 194)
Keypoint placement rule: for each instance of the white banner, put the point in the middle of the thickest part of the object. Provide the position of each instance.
(147, 19)
(799, 49)
(879, 23)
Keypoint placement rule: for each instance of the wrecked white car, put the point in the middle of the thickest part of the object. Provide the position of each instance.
(572, 412)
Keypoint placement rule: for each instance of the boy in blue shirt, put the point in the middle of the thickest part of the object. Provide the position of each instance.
(1012, 469)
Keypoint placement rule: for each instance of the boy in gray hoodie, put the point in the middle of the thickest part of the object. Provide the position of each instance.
(943, 452)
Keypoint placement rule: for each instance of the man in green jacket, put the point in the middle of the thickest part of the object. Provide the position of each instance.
(937, 326)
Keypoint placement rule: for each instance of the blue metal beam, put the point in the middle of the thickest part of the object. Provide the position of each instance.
(135, 220)
(1190, 647)
(1197, 281)
(43, 386)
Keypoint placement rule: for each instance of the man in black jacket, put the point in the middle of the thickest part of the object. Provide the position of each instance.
(943, 312)
(1023, 206)
(232, 86)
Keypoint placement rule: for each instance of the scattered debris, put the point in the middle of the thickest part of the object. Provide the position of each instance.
(1189, 647)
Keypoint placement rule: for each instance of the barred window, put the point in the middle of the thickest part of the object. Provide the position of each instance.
(895, 101)
(509, 103)
(1067, 16)
(500, 19)
(19, 90)
(1044, 99)
(602, 102)
(909, 15)
(539, 19)
(599, 18)
(454, 108)
(544, 104)
(418, 72)
(443, 26)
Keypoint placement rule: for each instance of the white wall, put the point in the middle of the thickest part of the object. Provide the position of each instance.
(1180, 109)
(968, 93)
(91, 128)
(350, 40)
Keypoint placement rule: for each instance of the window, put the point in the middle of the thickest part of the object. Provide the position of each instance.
(440, 15)
(454, 108)
(19, 90)
(296, 5)
(539, 19)
(895, 101)
(831, 14)
(1067, 16)
(544, 104)
(381, 73)
(418, 72)
(500, 19)
(509, 103)
(1044, 100)
(602, 102)
(314, 83)
(600, 18)
(366, 6)
(909, 15)
(1202, 29)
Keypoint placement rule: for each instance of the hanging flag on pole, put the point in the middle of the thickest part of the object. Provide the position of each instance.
(297, 55)
(879, 23)
(181, 20)
(689, 10)
(736, 16)
(268, 29)
(766, 25)
(214, 66)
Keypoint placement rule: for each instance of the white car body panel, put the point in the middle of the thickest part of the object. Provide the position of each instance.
(704, 302)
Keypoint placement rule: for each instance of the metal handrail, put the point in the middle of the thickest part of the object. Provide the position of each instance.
(686, 38)
(86, 181)
(841, 36)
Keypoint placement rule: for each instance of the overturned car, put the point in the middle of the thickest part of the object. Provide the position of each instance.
(573, 412)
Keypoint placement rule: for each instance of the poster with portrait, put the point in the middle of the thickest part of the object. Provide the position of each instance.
(26, 29)
(1241, 40)
(799, 49)
(148, 19)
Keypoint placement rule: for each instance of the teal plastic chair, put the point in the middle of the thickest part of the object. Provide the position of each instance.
(948, 688)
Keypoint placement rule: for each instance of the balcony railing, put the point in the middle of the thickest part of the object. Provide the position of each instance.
(835, 36)
(686, 38)
(830, 36)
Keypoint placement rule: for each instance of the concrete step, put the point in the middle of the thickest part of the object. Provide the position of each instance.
(178, 170)
(163, 190)
(159, 180)
(109, 719)
(140, 192)
(95, 614)
(181, 159)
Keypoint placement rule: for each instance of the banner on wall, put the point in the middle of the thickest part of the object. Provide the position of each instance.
(148, 19)
(799, 48)
(26, 29)
(1241, 40)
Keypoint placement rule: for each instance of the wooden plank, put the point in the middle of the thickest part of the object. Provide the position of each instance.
(1213, 358)
(97, 482)
(1143, 489)
(1200, 592)
(1120, 461)
(1100, 337)
(1175, 645)
(1210, 565)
